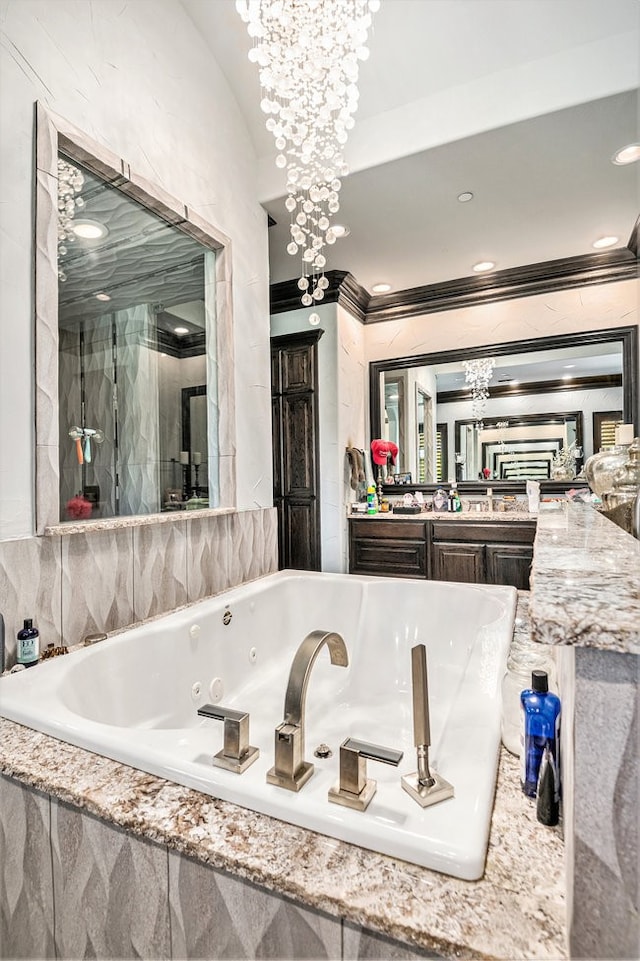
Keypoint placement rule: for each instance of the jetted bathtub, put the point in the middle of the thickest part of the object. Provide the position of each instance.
(134, 698)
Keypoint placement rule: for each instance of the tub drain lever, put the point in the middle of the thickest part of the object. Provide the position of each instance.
(424, 786)
(237, 754)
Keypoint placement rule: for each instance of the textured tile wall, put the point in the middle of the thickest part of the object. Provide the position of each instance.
(604, 921)
(215, 915)
(26, 883)
(73, 886)
(76, 584)
(110, 890)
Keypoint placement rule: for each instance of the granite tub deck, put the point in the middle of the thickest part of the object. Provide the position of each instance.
(516, 911)
(585, 582)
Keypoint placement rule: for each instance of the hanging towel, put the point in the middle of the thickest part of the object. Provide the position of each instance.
(356, 461)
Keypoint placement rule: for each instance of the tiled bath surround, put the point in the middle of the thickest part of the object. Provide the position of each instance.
(82, 581)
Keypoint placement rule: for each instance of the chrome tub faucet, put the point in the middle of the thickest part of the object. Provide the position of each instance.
(290, 769)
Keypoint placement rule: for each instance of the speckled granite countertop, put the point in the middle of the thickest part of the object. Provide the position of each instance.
(585, 581)
(516, 911)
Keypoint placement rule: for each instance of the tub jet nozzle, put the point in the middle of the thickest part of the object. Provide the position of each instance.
(425, 786)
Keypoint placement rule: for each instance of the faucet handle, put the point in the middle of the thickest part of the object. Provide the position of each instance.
(236, 754)
(355, 789)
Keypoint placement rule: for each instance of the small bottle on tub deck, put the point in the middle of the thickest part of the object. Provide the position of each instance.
(540, 728)
(28, 650)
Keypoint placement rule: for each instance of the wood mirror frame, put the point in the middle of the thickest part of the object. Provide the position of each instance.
(626, 336)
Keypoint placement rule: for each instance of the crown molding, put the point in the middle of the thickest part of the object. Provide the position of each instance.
(603, 267)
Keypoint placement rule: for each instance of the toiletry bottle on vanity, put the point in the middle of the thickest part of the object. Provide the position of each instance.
(28, 649)
(372, 500)
(540, 729)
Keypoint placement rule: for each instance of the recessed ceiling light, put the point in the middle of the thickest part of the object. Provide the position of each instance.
(627, 155)
(102, 296)
(568, 366)
(381, 288)
(465, 197)
(483, 265)
(605, 242)
(89, 229)
(567, 376)
(181, 330)
(340, 230)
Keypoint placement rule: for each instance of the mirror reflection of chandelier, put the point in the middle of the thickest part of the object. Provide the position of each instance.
(70, 181)
(477, 375)
(307, 54)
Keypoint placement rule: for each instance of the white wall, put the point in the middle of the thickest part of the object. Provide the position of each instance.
(137, 78)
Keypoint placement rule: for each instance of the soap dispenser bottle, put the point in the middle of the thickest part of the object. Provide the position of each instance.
(540, 729)
(28, 648)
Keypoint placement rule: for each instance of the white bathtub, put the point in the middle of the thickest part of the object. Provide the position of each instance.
(133, 698)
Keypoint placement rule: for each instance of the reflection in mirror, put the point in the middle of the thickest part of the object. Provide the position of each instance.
(135, 303)
(541, 420)
(524, 447)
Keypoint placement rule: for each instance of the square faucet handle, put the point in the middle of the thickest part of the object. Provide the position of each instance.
(355, 790)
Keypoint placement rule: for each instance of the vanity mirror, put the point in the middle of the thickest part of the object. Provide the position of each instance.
(137, 325)
(538, 402)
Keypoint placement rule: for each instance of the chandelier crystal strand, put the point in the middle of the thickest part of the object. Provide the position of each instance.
(477, 375)
(307, 52)
(70, 182)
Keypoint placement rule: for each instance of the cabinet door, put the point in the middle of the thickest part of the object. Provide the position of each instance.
(464, 563)
(509, 564)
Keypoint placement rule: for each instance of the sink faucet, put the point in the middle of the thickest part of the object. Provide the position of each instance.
(290, 770)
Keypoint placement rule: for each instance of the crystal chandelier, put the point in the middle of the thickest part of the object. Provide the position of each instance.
(477, 375)
(307, 52)
(70, 182)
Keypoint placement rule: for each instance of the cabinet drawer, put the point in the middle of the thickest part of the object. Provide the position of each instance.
(393, 558)
(379, 529)
(508, 532)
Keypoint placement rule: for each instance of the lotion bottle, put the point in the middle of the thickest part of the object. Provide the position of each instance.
(540, 728)
(28, 649)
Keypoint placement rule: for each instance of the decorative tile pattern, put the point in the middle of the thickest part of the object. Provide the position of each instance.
(215, 915)
(605, 846)
(254, 545)
(26, 883)
(110, 890)
(30, 586)
(160, 569)
(359, 943)
(208, 551)
(97, 583)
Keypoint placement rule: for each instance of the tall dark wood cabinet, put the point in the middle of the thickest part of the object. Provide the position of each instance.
(296, 479)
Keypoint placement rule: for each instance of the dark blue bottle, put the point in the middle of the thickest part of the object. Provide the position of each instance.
(540, 727)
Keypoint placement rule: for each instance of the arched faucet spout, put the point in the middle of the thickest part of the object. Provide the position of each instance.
(291, 770)
(305, 657)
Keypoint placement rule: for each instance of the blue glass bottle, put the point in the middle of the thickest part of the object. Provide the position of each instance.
(540, 727)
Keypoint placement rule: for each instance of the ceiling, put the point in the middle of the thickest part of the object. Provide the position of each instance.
(521, 103)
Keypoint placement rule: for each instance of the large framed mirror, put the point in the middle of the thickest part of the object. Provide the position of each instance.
(510, 412)
(141, 314)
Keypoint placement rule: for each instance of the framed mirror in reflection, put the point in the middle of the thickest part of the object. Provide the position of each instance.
(538, 416)
(135, 305)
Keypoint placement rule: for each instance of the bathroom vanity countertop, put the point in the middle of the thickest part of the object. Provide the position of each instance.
(516, 911)
(585, 582)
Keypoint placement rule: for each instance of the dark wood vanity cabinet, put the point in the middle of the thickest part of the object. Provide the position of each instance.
(482, 552)
(472, 552)
(390, 548)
